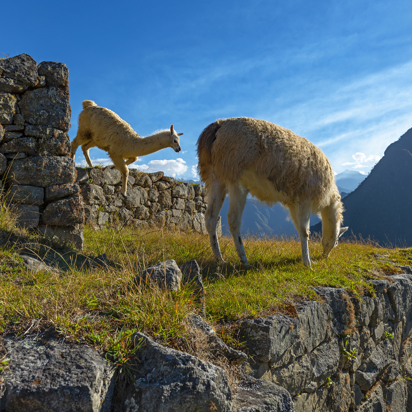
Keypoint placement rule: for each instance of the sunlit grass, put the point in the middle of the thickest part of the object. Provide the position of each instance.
(104, 306)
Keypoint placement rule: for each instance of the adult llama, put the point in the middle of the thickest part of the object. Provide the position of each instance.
(102, 128)
(243, 155)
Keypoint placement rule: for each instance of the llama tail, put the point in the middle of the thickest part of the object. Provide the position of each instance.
(204, 149)
(88, 103)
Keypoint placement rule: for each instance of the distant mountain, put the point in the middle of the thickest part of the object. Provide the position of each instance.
(261, 220)
(381, 207)
(349, 180)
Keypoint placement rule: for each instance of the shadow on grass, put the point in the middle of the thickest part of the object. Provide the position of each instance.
(65, 258)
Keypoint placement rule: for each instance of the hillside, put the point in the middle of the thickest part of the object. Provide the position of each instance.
(348, 180)
(380, 208)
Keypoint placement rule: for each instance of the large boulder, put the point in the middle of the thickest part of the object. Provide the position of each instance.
(55, 376)
(168, 380)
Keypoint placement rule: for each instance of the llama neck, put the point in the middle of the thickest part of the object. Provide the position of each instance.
(150, 144)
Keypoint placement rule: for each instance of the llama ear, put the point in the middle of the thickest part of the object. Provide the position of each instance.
(343, 230)
(171, 129)
(179, 134)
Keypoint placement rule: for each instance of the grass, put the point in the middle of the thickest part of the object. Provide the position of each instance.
(104, 307)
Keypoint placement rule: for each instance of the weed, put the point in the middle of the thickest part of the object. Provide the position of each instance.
(350, 355)
(388, 335)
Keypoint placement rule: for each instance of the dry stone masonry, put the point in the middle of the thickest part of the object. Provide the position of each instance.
(153, 200)
(346, 354)
(35, 171)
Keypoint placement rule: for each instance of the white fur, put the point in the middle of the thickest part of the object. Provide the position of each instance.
(103, 128)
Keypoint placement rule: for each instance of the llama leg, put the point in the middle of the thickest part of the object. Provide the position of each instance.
(86, 147)
(215, 198)
(238, 195)
(300, 214)
(130, 160)
(73, 147)
(121, 166)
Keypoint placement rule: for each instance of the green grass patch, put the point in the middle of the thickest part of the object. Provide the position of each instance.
(104, 306)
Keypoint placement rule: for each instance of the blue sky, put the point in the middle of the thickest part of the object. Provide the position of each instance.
(338, 73)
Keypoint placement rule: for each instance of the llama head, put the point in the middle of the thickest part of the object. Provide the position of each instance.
(329, 242)
(174, 139)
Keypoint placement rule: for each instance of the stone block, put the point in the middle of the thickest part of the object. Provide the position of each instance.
(165, 199)
(18, 73)
(64, 234)
(141, 212)
(56, 74)
(47, 107)
(43, 132)
(64, 212)
(29, 195)
(56, 192)
(144, 181)
(82, 175)
(181, 191)
(28, 215)
(106, 176)
(135, 197)
(55, 146)
(56, 376)
(27, 145)
(156, 176)
(190, 383)
(92, 194)
(43, 171)
(8, 106)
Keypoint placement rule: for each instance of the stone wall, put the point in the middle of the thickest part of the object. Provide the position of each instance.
(153, 200)
(36, 173)
(346, 354)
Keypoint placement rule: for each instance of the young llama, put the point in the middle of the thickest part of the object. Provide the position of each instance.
(242, 155)
(103, 128)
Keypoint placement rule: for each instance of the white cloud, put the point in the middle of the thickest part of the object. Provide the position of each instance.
(195, 174)
(96, 162)
(362, 161)
(173, 167)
